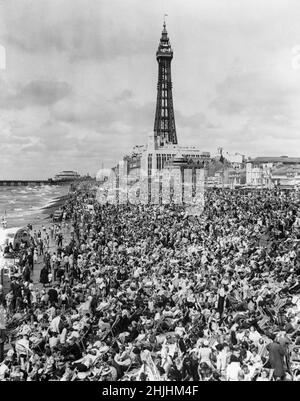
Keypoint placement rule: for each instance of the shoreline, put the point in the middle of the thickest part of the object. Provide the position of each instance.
(19, 209)
(57, 203)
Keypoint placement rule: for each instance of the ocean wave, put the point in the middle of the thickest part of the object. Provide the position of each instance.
(35, 207)
(22, 213)
(26, 206)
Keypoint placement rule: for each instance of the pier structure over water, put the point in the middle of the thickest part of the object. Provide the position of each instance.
(50, 181)
(26, 183)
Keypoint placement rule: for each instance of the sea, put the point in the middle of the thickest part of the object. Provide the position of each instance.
(20, 206)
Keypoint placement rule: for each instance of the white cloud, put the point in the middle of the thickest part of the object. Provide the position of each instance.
(80, 80)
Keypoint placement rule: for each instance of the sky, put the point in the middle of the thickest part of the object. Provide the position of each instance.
(78, 79)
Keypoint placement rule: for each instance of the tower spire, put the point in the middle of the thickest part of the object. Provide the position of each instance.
(165, 15)
(164, 124)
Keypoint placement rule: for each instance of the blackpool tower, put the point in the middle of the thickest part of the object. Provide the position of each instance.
(164, 125)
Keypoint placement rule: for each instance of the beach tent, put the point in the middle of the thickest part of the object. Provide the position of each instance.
(22, 235)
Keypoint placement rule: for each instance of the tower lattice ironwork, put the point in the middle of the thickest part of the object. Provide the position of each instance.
(164, 125)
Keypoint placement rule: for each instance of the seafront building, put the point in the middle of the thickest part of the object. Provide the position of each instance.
(260, 172)
(287, 176)
(267, 172)
(66, 176)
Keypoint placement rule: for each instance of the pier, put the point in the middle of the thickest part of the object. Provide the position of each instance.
(25, 183)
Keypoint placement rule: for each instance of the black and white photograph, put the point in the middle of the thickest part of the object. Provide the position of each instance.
(149, 193)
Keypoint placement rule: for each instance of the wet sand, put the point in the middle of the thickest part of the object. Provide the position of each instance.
(56, 204)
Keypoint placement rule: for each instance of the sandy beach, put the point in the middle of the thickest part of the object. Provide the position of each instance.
(46, 222)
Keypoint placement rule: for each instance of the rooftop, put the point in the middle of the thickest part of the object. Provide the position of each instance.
(280, 159)
(286, 170)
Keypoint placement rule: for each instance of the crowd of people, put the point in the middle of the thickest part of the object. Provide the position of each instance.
(147, 292)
